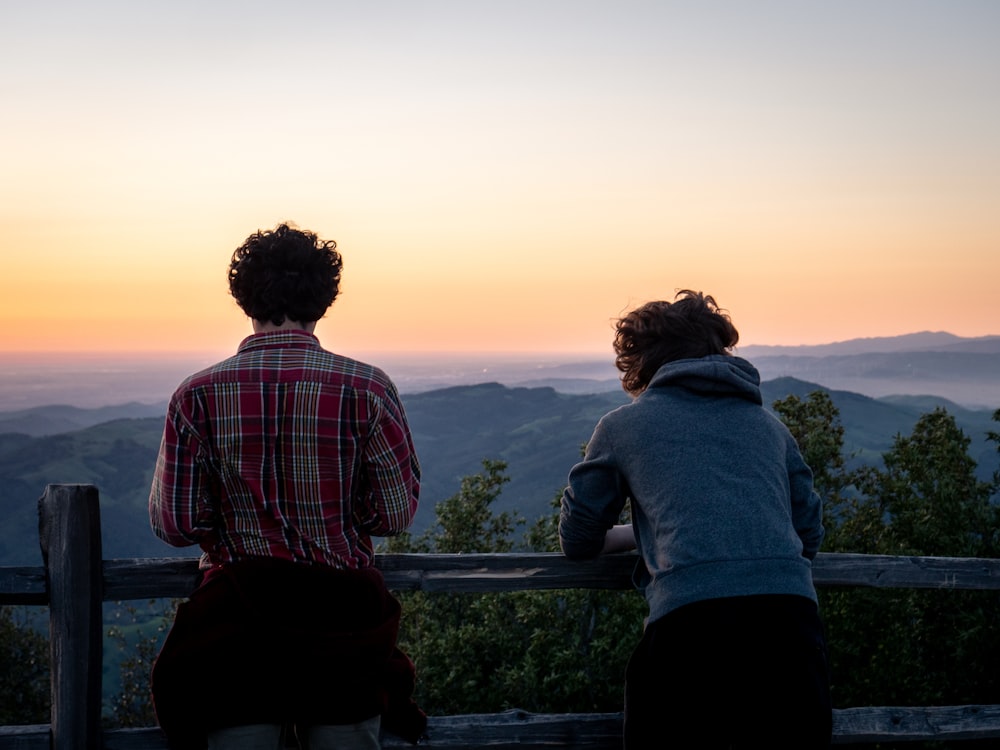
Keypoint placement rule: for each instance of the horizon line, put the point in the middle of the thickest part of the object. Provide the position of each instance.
(532, 353)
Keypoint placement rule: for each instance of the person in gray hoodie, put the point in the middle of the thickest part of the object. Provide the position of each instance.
(726, 522)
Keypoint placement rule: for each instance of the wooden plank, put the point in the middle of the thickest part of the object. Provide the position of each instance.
(25, 737)
(520, 729)
(884, 571)
(896, 724)
(70, 537)
(503, 731)
(143, 578)
(462, 573)
(150, 578)
(23, 586)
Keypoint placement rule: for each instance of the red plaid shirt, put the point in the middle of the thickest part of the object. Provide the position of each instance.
(285, 450)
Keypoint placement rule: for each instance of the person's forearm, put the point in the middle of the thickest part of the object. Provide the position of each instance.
(620, 538)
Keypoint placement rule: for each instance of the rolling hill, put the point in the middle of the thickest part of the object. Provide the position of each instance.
(538, 431)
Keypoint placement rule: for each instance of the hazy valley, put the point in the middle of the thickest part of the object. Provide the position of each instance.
(536, 418)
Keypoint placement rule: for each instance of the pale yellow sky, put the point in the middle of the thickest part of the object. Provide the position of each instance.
(501, 175)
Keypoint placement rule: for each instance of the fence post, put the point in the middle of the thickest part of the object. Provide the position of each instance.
(69, 526)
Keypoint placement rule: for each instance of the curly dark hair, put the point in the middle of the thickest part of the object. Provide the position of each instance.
(285, 274)
(659, 332)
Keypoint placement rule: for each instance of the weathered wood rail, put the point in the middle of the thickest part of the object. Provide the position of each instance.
(75, 580)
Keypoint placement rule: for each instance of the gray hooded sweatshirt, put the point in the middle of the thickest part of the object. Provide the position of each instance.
(722, 501)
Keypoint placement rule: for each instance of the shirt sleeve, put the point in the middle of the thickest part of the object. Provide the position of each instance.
(180, 506)
(807, 506)
(594, 499)
(391, 469)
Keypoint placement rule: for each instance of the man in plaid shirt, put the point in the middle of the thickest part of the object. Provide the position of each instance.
(281, 463)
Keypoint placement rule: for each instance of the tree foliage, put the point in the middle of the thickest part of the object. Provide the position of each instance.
(994, 436)
(540, 651)
(24, 672)
(815, 425)
(137, 637)
(902, 646)
(928, 497)
(465, 521)
(566, 651)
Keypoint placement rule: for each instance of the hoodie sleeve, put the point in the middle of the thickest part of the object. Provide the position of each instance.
(807, 506)
(594, 499)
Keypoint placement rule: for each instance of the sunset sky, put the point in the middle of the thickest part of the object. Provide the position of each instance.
(500, 175)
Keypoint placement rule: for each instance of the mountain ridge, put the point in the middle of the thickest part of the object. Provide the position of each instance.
(539, 432)
(964, 370)
(908, 342)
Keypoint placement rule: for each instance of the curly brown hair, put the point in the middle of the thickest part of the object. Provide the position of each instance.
(285, 274)
(659, 332)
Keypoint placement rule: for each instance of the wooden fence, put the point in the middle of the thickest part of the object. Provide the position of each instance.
(75, 580)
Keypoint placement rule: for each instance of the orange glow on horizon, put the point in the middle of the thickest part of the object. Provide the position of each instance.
(507, 179)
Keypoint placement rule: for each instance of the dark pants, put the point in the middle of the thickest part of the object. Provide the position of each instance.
(742, 672)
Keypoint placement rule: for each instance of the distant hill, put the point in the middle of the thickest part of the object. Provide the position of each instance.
(926, 341)
(968, 378)
(963, 370)
(52, 420)
(871, 424)
(538, 431)
(116, 456)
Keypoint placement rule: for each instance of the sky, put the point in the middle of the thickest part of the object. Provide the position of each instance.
(500, 175)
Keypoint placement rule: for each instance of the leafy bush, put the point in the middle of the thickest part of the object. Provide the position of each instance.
(906, 646)
(24, 671)
(545, 651)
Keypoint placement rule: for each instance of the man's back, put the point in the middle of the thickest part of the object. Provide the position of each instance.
(300, 454)
(281, 463)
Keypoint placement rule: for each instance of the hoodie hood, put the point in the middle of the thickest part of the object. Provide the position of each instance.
(715, 375)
